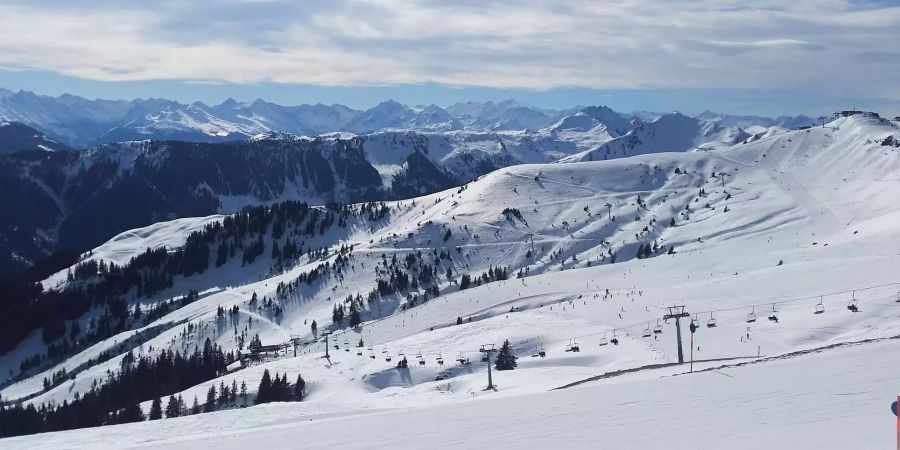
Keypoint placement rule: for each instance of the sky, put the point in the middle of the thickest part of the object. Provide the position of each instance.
(766, 57)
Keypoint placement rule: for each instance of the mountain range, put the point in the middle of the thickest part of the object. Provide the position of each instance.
(82, 123)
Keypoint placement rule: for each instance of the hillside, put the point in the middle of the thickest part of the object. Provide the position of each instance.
(17, 137)
(553, 255)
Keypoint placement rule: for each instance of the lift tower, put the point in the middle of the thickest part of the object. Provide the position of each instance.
(677, 312)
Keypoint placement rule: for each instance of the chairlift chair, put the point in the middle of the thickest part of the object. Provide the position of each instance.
(853, 306)
(820, 308)
(647, 332)
(359, 352)
(751, 317)
(460, 358)
(388, 357)
(774, 315)
(440, 360)
(603, 340)
(658, 329)
(711, 323)
(614, 339)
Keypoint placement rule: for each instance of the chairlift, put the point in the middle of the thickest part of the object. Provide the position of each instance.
(751, 317)
(898, 297)
(711, 323)
(384, 350)
(614, 339)
(647, 332)
(359, 352)
(371, 354)
(603, 340)
(853, 306)
(695, 322)
(774, 315)
(820, 308)
(460, 358)
(388, 357)
(658, 329)
(440, 360)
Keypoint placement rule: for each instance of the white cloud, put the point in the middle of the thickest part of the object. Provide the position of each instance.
(495, 43)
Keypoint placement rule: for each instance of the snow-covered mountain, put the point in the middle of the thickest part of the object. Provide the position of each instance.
(668, 133)
(505, 115)
(749, 122)
(754, 239)
(83, 123)
(17, 137)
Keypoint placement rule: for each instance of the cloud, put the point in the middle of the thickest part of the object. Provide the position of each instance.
(530, 44)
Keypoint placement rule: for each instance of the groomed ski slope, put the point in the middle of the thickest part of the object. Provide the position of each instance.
(812, 217)
(836, 399)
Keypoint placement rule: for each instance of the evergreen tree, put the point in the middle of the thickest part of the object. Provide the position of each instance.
(232, 393)
(131, 413)
(223, 393)
(263, 394)
(505, 358)
(156, 409)
(195, 408)
(210, 404)
(173, 409)
(300, 388)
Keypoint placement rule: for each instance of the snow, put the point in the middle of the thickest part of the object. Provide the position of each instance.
(121, 248)
(812, 216)
(830, 400)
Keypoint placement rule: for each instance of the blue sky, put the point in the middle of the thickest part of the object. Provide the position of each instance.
(764, 57)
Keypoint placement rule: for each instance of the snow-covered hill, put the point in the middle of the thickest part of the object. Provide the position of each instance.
(780, 225)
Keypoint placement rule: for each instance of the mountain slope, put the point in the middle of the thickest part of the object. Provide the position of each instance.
(812, 240)
(669, 133)
(17, 137)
